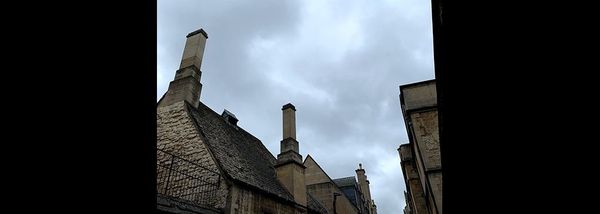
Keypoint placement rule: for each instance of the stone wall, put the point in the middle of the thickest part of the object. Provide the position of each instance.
(244, 201)
(421, 158)
(427, 138)
(419, 95)
(313, 174)
(319, 185)
(177, 134)
(324, 193)
(416, 200)
(291, 175)
(425, 125)
(435, 182)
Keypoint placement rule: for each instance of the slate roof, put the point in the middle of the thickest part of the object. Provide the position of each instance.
(242, 156)
(349, 187)
(347, 181)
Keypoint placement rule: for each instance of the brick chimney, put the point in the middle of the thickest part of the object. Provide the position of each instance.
(289, 167)
(363, 183)
(186, 85)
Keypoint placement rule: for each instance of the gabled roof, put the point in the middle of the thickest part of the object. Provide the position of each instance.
(324, 177)
(318, 177)
(242, 157)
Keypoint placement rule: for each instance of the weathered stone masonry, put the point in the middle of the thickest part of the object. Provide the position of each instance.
(421, 158)
(177, 134)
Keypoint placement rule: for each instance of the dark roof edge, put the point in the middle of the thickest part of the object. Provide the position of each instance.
(416, 83)
(289, 105)
(161, 98)
(346, 178)
(275, 196)
(197, 32)
(422, 109)
(401, 145)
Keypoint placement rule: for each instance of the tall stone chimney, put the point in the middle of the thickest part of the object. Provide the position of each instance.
(289, 167)
(363, 183)
(186, 85)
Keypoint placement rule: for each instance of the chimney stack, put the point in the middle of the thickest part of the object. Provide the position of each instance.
(363, 183)
(289, 121)
(289, 144)
(289, 167)
(186, 85)
(194, 49)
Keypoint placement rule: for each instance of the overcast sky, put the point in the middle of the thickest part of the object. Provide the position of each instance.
(339, 62)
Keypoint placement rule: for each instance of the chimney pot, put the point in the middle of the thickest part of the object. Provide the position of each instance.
(289, 121)
(197, 32)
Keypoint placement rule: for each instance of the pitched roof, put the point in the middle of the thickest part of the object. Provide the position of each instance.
(309, 162)
(347, 181)
(242, 156)
(349, 188)
(314, 204)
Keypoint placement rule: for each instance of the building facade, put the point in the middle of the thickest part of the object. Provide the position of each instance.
(206, 163)
(344, 195)
(421, 157)
(353, 191)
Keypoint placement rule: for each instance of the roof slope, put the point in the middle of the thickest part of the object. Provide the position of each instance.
(347, 181)
(316, 174)
(314, 204)
(242, 156)
(349, 188)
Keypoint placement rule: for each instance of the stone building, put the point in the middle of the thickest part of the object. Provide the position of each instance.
(206, 163)
(420, 158)
(352, 190)
(345, 193)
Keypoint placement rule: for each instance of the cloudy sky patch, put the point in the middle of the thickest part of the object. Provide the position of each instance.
(339, 62)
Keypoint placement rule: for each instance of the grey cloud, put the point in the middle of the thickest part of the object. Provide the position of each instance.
(340, 63)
